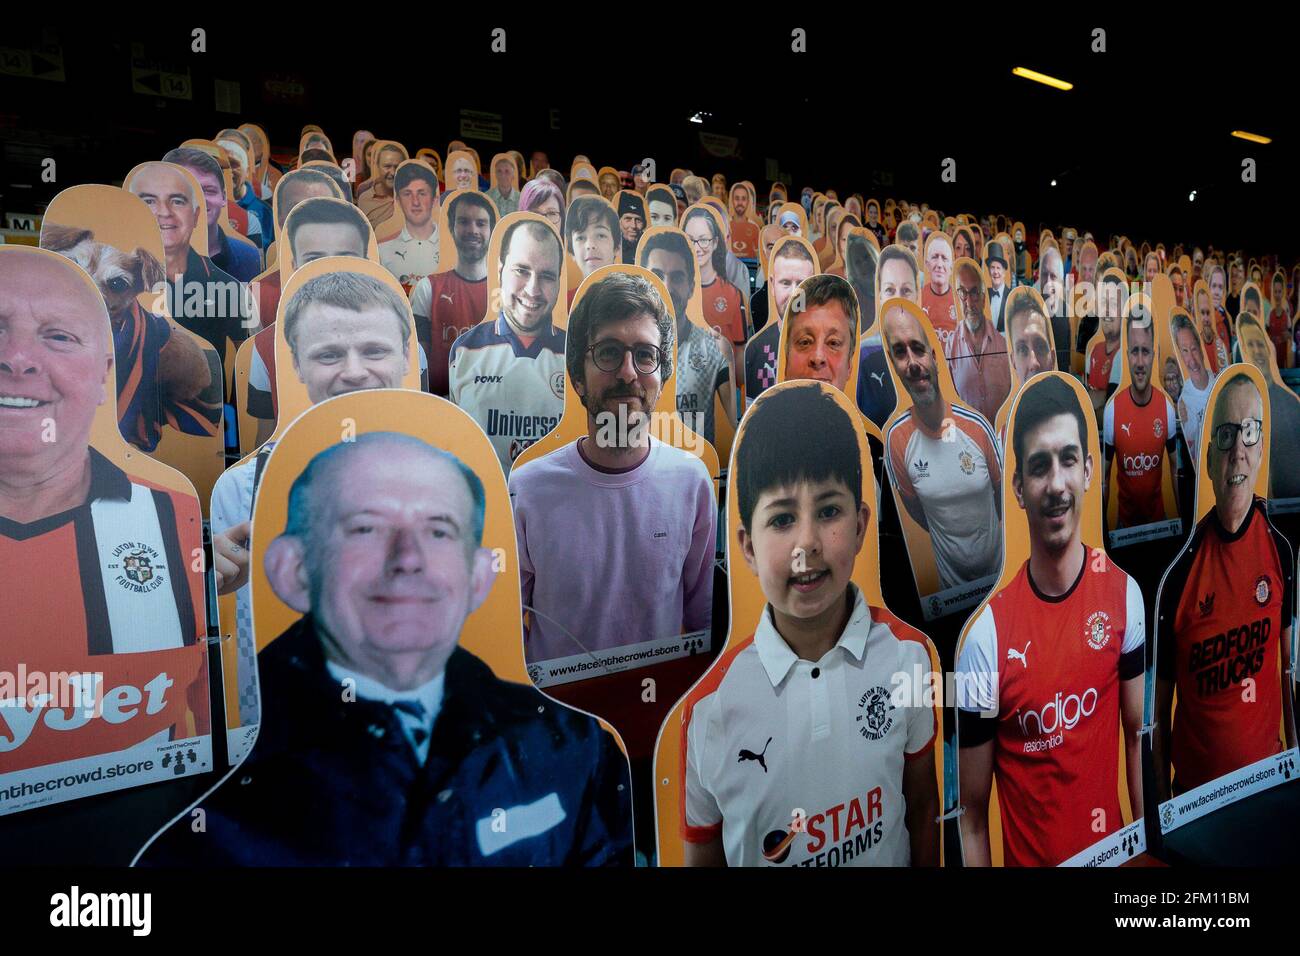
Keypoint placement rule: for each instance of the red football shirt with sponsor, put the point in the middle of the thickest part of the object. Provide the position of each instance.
(1223, 608)
(1053, 664)
(1138, 434)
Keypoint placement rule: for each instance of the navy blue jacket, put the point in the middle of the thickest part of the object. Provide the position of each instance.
(512, 778)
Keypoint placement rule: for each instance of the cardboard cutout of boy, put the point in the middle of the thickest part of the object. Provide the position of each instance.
(858, 786)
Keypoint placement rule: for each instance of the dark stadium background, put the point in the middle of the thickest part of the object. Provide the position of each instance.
(874, 106)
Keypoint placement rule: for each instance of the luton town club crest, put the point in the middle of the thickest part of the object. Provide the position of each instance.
(139, 567)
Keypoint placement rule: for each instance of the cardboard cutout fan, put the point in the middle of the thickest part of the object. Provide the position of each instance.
(351, 330)
(370, 697)
(1223, 702)
(106, 657)
(944, 466)
(851, 798)
(169, 377)
(1049, 670)
(1138, 440)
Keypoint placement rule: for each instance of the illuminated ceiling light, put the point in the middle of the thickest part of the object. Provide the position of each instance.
(1253, 137)
(1037, 77)
(1053, 182)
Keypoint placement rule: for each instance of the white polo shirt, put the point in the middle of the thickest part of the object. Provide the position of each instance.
(410, 259)
(796, 763)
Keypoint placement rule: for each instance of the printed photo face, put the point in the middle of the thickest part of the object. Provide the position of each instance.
(820, 344)
(417, 199)
(676, 273)
(52, 327)
(1141, 355)
(530, 277)
(338, 350)
(1172, 379)
(970, 293)
(594, 245)
(1254, 347)
(913, 359)
(312, 241)
(166, 191)
(663, 209)
(938, 263)
(628, 392)
(462, 172)
(415, 509)
(1052, 474)
(1031, 344)
(1233, 464)
(504, 174)
(897, 279)
(820, 517)
(471, 228)
(389, 160)
(702, 240)
(787, 272)
(631, 224)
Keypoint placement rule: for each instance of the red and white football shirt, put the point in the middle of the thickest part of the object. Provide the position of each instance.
(1138, 435)
(1223, 611)
(1048, 669)
(445, 306)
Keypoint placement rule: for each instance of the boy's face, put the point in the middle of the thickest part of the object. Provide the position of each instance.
(802, 543)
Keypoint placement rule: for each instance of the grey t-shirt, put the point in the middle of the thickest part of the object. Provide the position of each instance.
(701, 368)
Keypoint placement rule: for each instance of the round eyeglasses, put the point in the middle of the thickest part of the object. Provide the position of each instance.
(608, 356)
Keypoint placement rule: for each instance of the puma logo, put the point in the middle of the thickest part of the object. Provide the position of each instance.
(398, 252)
(879, 377)
(750, 755)
(1125, 426)
(443, 295)
(1015, 655)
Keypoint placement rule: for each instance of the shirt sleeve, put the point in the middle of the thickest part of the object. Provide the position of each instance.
(922, 721)
(989, 447)
(701, 815)
(527, 572)
(896, 466)
(422, 298)
(1135, 619)
(258, 376)
(697, 575)
(976, 673)
(1108, 426)
(229, 506)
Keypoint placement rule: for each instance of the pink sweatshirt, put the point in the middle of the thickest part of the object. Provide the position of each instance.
(614, 559)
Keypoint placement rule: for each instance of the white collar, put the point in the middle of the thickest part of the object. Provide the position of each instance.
(777, 656)
(429, 694)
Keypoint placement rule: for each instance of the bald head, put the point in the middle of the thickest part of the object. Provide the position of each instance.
(55, 356)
